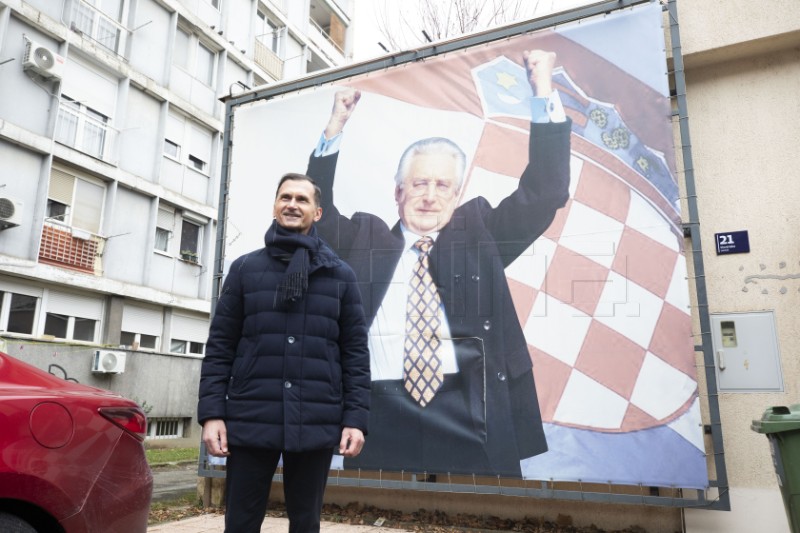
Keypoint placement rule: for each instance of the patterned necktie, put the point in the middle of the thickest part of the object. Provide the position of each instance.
(422, 367)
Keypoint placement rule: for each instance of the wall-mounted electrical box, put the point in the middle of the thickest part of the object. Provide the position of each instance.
(746, 352)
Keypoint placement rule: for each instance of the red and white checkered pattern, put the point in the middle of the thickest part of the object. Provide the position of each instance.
(602, 297)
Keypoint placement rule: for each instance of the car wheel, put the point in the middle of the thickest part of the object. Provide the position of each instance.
(13, 524)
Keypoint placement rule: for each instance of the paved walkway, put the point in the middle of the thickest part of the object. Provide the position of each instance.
(213, 523)
(174, 481)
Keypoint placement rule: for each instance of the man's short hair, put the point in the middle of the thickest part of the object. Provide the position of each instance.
(432, 145)
(292, 176)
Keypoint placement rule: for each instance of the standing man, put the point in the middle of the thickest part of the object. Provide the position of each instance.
(453, 388)
(286, 370)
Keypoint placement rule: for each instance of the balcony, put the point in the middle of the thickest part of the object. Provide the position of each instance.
(89, 21)
(333, 33)
(268, 60)
(59, 246)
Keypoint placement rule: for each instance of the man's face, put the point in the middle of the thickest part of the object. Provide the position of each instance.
(295, 208)
(427, 199)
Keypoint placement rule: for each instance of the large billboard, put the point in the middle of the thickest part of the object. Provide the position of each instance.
(555, 273)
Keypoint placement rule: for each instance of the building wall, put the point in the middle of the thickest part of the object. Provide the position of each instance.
(116, 162)
(743, 75)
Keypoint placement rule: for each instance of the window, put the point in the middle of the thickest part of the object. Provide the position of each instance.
(17, 312)
(72, 316)
(180, 52)
(76, 328)
(205, 64)
(98, 20)
(268, 32)
(188, 334)
(188, 143)
(162, 239)
(164, 227)
(182, 346)
(137, 341)
(269, 44)
(197, 163)
(192, 55)
(166, 428)
(172, 149)
(56, 325)
(190, 236)
(141, 326)
(81, 127)
(75, 201)
(57, 210)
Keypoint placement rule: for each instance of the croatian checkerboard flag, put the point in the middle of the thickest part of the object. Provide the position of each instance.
(603, 295)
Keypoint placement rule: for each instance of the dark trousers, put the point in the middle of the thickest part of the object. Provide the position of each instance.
(249, 478)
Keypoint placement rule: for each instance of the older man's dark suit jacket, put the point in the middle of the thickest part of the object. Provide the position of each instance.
(467, 263)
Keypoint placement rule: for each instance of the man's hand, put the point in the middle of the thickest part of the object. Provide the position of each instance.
(215, 437)
(344, 102)
(352, 442)
(539, 65)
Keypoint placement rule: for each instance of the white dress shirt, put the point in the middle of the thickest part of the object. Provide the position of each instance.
(388, 331)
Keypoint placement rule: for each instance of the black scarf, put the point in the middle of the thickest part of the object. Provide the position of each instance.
(298, 250)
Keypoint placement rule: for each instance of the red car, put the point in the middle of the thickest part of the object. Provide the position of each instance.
(71, 456)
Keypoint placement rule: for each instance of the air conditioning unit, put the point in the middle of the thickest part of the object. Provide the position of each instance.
(42, 60)
(10, 213)
(108, 362)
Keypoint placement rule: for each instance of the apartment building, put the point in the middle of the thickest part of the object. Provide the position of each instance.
(110, 156)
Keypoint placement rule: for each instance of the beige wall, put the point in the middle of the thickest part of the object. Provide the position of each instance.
(743, 80)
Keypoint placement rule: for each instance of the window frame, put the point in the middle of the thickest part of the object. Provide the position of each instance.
(191, 63)
(185, 250)
(68, 219)
(136, 345)
(84, 122)
(6, 296)
(69, 334)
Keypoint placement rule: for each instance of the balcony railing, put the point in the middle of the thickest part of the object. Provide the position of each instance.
(326, 35)
(85, 130)
(60, 247)
(268, 60)
(93, 23)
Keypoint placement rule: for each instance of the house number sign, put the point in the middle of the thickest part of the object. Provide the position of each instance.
(732, 242)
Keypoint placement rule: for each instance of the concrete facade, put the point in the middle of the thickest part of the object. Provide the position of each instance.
(110, 162)
(742, 63)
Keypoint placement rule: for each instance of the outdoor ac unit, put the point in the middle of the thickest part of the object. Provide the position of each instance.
(10, 213)
(108, 362)
(42, 60)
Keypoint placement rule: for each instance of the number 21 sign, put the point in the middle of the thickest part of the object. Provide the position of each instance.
(732, 242)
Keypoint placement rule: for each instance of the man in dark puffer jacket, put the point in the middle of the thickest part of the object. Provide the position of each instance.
(286, 369)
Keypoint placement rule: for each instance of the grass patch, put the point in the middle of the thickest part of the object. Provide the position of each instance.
(171, 455)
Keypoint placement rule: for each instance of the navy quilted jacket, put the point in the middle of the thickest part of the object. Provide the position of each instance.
(289, 378)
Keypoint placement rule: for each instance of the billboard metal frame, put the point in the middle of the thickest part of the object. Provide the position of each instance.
(716, 497)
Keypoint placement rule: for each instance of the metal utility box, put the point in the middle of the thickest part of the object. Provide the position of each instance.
(746, 352)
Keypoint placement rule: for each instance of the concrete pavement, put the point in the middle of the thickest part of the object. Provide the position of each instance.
(214, 523)
(172, 482)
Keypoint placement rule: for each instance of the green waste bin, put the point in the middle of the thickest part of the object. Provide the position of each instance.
(781, 425)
